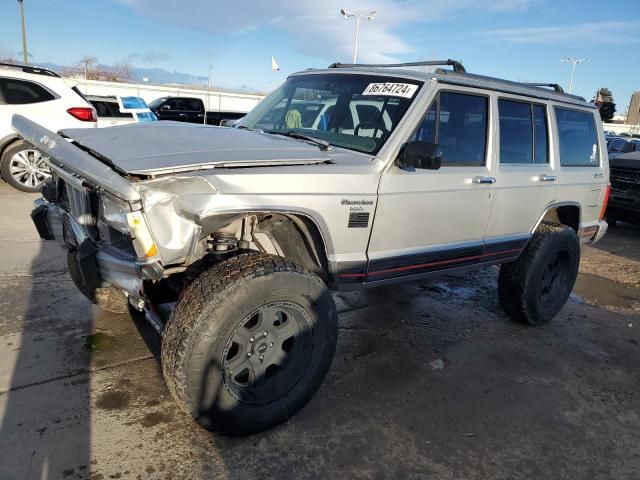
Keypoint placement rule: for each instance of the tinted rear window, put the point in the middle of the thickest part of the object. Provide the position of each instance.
(578, 138)
(22, 92)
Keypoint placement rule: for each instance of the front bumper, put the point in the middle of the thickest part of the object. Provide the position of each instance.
(92, 264)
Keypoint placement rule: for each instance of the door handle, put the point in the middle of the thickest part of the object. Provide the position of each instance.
(484, 180)
(547, 178)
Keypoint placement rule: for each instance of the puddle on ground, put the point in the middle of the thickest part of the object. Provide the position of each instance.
(601, 291)
(98, 341)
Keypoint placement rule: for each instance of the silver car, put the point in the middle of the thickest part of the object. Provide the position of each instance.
(347, 177)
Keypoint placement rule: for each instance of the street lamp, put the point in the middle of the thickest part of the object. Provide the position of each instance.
(574, 61)
(347, 14)
(24, 34)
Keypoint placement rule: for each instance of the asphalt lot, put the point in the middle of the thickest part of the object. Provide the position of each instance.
(431, 380)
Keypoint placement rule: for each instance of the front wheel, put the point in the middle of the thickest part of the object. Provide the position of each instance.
(535, 287)
(249, 343)
(23, 167)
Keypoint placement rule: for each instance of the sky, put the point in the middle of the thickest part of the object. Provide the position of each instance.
(522, 40)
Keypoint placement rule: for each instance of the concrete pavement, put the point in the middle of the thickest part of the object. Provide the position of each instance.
(430, 380)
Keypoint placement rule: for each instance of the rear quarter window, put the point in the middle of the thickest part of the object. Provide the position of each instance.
(578, 138)
(22, 92)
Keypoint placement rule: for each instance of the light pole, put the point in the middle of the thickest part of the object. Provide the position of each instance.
(24, 34)
(358, 15)
(574, 62)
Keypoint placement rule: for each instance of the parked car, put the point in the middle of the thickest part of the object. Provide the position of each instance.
(624, 204)
(188, 109)
(618, 146)
(44, 97)
(241, 233)
(117, 110)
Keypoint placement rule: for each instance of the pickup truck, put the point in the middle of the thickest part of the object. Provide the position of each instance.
(189, 109)
(230, 240)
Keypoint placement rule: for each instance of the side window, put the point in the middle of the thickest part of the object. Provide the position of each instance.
(578, 138)
(540, 138)
(21, 92)
(523, 132)
(102, 108)
(193, 105)
(175, 104)
(458, 124)
(115, 111)
(516, 132)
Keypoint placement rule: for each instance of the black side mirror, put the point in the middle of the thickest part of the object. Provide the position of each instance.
(421, 155)
(627, 147)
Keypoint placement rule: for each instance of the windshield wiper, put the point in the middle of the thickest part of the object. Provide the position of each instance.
(323, 144)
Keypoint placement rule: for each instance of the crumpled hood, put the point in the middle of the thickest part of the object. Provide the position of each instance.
(166, 147)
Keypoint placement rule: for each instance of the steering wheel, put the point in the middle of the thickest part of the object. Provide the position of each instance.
(375, 127)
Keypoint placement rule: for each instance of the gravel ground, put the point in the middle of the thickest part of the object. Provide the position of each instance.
(430, 380)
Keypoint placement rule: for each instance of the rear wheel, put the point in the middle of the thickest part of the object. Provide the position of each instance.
(23, 167)
(534, 288)
(249, 343)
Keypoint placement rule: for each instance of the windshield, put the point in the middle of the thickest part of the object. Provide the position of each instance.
(358, 112)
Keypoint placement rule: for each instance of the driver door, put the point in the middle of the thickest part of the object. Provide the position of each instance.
(429, 220)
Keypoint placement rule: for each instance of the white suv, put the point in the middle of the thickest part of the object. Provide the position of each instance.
(44, 97)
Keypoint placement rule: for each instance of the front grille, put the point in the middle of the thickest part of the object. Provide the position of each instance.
(94, 204)
(63, 196)
(625, 175)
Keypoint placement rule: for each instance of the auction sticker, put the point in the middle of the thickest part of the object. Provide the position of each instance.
(391, 89)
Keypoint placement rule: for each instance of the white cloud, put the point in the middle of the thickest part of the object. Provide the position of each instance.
(316, 27)
(600, 32)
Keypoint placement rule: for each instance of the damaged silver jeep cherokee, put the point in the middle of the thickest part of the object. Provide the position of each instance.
(353, 176)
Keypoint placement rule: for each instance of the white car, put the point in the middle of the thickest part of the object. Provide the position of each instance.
(116, 110)
(44, 97)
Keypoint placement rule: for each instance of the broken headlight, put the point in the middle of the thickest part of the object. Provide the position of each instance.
(113, 212)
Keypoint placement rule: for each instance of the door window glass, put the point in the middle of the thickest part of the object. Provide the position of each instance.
(516, 132)
(458, 124)
(523, 132)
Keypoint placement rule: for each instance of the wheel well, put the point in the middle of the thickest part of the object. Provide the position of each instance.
(297, 238)
(568, 215)
(6, 143)
(288, 235)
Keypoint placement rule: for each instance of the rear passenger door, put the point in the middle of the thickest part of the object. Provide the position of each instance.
(526, 171)
(583, 166)
(429, 220)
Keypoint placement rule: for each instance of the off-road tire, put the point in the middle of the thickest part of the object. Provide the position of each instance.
(521, 283)
(5, 161)
(207, 316)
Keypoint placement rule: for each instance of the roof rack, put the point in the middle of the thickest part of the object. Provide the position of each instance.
(30, 69)
(457, 66)
(557, 89)
(555, 86)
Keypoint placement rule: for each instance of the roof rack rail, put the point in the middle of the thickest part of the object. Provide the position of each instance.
(457, 66)
(30, 69)
(555, 86)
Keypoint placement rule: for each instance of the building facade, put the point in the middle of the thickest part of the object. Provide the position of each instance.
(633, 117)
